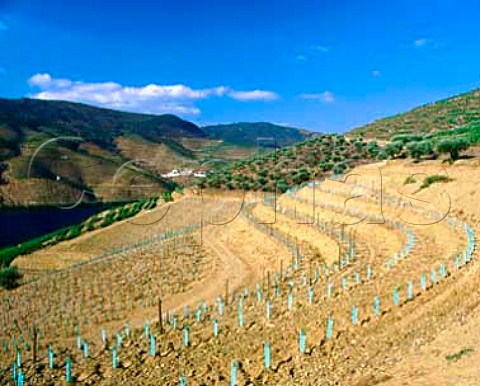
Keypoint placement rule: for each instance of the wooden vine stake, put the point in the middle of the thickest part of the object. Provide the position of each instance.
(160, 316)
(35, 342)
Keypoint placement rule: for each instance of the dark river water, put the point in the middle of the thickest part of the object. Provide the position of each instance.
(18, 225)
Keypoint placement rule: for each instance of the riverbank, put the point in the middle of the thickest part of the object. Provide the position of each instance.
(94, 221)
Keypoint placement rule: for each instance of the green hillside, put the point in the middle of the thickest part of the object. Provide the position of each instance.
(320, 156)
(461, 111)
(445, 129)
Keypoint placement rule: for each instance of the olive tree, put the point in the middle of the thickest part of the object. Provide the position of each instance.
(419, 149)
(393, 149)
(453, 147)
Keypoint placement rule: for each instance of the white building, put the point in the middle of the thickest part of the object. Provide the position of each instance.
(184, 173)
(174, 173)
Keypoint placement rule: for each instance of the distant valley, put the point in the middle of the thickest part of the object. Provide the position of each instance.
(55, 151)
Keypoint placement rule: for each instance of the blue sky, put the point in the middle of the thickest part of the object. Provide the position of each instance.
(322, 65)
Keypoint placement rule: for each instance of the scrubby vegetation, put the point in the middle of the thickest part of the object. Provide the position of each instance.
(433, 146)
(418, 149)
(453, 147)
(331, 154)
(459, 112)
(394, 149)
(167, 196)
(458, 355)
(445, 127)
(9, 277)
(410, 180)
(294, 165)
(434, 179)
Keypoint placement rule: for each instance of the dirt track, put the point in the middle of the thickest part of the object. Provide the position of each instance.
(407, 345)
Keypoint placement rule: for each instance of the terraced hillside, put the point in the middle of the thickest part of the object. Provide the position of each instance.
(52, 151)
(95, 144)
(326, 155)
(292, 165)
(320, 283)
(461, 111)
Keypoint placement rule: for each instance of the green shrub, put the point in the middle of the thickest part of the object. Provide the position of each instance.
(433, 179)
(372, 148)
(74, 231)
(393, 149)
(247, 185)
(326, 166)
(282, 185)
(263, 172)
(474, 134)
(409, 180)
(419, 149)
(9, 277)
(340, 168)
(297, 179)
(336, 158)
(151, 203)
(154, 202)
(108, 219)
(382, 155)
(213, 183)
(358, 146)
(455, 357)
(406, 138)
(453, 147)
(167, 196)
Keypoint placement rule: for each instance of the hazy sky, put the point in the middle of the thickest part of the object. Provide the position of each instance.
(322, 65)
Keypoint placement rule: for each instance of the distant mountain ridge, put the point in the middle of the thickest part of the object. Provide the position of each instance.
(102, 126)
(149, 144)
(94, 124)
